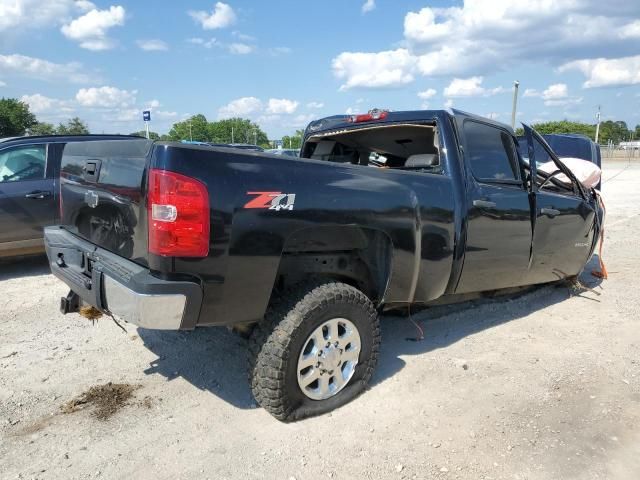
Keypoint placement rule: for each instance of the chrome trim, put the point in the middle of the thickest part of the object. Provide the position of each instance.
(156, 312)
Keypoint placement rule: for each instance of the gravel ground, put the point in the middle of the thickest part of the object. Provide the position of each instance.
(544, 385)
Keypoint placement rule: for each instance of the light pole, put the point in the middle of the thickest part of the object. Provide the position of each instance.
(516, 84)
(190, 132)
(598, 124)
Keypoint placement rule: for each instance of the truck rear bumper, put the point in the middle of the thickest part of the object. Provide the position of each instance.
(120, 287)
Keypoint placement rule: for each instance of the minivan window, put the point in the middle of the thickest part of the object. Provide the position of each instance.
(26, 162)
(491, 152)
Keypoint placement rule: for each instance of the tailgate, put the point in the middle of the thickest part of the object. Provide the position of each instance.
(102, 186)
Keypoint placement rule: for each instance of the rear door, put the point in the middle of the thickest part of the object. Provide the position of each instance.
(102, 185)
(27, 201)
(564, 220)
(498, 211)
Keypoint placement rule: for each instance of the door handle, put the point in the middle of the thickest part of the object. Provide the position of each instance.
(484, 204)
(38, 195)
(552, 212)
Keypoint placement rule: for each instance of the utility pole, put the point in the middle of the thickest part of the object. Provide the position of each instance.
(232, 134)
(516, 84)
(190, 132)
(598, 124)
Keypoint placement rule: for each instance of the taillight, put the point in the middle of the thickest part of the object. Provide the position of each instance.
(375, 114)
(178, 212)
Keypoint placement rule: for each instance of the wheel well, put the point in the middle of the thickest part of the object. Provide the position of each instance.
(363, 261)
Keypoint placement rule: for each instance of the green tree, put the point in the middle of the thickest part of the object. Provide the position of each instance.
(616, 131)
(143, 133)
(75, 126)
(232, 130)
(293, 141)
(15, 117)
(565, 126)
(195, 128)
(42, 128)
(237, 130)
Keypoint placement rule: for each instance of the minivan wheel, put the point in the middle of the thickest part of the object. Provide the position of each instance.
(315, 350)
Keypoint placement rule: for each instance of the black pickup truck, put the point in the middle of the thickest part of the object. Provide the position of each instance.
(386, 209)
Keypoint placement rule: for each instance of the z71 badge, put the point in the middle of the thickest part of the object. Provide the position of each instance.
(272, 200)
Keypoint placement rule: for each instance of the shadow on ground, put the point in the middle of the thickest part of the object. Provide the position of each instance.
(23, 267)
(215, 359)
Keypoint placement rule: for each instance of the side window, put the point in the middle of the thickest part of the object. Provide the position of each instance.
(23, 163)
(491, 152)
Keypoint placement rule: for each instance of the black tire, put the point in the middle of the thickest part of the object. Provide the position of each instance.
(276, 343)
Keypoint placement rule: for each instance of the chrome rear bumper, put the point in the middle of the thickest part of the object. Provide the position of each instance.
(153, 311)
(119, 286)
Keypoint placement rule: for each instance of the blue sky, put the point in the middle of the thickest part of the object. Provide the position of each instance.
(283, 63)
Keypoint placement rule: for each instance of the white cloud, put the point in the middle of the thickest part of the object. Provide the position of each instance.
(107, 97)
(240, 48)
(484, 36)
(556, 91)
(448, 103)
(23, 65)
(40, 104)
(243, 36)
(368, 6)
(315, 105)
(427, 94)
(2, 84)
(165, 115)
(210, 43)
(603, 72)
(91, 28)
(240, 107)
(235, 48)
(469, 87)
(563, 102)
(280, 114)
(552, 92)
(222, 16)
(281, 105)
(391, 68)
(555, 95)
(631, 30)
(152, 45)
(19, 15)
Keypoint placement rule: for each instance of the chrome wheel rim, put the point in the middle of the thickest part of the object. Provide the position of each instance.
(328, 359)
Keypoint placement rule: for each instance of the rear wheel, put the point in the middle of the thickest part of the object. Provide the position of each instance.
(315, 351)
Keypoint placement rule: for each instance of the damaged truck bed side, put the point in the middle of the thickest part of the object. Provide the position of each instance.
(386, 209)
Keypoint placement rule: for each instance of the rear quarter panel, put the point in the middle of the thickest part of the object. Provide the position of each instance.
(247, 243)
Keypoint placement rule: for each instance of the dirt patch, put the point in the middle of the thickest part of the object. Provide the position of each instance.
(106, 399)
